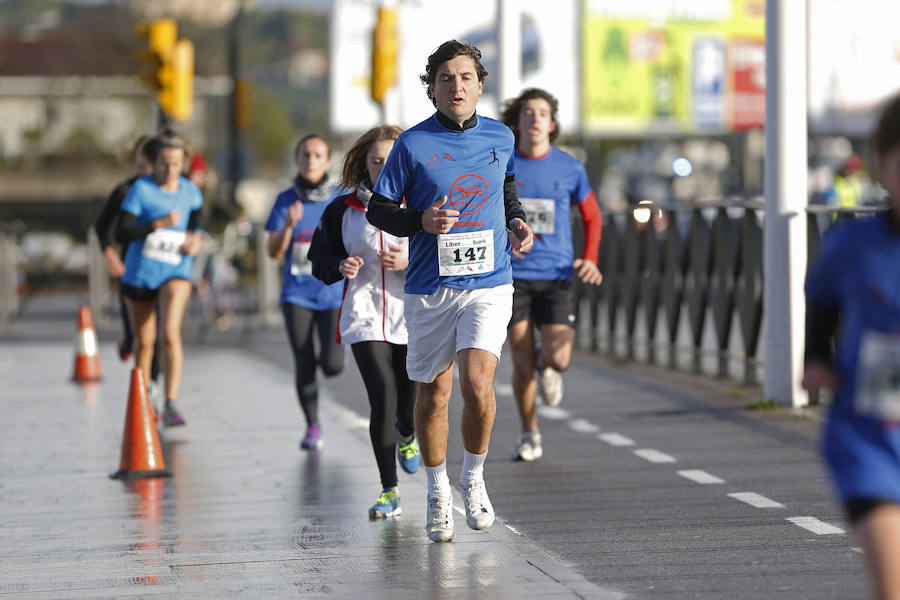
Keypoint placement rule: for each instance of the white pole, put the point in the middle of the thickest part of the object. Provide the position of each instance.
(784, 235)
(509, 41)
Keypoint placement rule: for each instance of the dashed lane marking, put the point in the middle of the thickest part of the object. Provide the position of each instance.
(616, 439)
(816, 526)
(654, 456)
(583, 426)
(756, 500)
(553, 413)
(702, 477)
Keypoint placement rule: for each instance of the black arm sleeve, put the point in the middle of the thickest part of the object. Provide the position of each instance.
(326, 251)
(387, 215)
(103, 224)
(821, 326)
(128, 230)
(195, 220)
(511, 200)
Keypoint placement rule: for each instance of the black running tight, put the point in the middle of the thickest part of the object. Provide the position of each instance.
(300, 323)
(391, 397)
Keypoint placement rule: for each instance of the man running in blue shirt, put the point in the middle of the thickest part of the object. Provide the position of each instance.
(456, 173)
(550, 182)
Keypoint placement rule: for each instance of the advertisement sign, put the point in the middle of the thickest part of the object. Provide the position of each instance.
(662, 66)
(748, 63)
(549, 56)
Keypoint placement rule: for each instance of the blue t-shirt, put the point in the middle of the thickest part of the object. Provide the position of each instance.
(858, 271)
(429, 161)
(157, 258)
(548, 186)
(298, 285)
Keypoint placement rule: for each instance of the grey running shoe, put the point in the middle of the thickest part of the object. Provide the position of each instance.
(550, 384)
(479, 512)
(529, 447)
(439, 523)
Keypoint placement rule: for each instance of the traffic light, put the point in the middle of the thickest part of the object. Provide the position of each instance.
(168, 67)
(180, 91)
(384, 53)
(160, 37)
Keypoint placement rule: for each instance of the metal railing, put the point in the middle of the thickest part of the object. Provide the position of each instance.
(684, 288)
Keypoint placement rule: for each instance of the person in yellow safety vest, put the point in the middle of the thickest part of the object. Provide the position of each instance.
(848, 184)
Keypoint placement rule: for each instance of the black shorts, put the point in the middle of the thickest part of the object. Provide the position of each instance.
(546, 302)
(859, 508)
(139, 294)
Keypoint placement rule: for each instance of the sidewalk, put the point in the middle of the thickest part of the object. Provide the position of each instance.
(245, 512)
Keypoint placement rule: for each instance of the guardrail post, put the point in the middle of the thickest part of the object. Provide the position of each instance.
(9, 298)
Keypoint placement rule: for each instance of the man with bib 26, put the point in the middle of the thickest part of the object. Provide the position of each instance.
(456, 171)
(550, 181)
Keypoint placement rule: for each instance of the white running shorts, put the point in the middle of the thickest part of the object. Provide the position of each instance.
(449, 320)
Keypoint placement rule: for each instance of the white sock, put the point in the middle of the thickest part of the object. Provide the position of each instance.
(438, 481)
(472, 468)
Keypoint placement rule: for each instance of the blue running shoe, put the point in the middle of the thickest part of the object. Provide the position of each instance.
(387, 506)
(408, 454)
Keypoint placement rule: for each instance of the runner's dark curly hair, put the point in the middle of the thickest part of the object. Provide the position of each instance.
(448, 51)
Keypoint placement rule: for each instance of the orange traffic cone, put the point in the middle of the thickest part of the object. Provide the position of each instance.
(87, 360)
(141, 450)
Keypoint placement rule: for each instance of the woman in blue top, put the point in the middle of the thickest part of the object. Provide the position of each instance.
(160, 221)
(307, 303)
(853, 347)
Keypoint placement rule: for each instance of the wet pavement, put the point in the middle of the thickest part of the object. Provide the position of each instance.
(652, 485)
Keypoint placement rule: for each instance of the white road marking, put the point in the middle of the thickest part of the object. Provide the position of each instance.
(698, 476)
(353, 419)
(654, 456)
(503, 389)
(816, 526)
(858, 549)
(756, 500)
(553, 413)
(583, 426)
(615, 439)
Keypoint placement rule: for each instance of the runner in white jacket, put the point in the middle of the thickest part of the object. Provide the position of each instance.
(372, 264)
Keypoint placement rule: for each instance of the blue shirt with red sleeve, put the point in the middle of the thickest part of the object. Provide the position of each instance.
(469, 166)
(548, 186)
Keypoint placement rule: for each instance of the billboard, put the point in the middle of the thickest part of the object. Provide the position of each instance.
(549, 46)
(658, 66)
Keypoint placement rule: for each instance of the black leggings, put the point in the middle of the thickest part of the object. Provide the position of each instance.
(299, 322)
(391, 397)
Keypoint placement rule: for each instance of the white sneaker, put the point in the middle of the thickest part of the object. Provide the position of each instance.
(479, 512)
(550, 384)
(439, 523)
(529, 447)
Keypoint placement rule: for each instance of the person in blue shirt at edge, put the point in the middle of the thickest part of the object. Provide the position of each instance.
(310, 307)
(160, 221)
(853, 347)
(549, 182)
(456, 172)
(372, 264)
